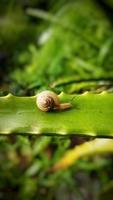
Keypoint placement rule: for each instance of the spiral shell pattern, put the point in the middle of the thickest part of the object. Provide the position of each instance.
(47, 101)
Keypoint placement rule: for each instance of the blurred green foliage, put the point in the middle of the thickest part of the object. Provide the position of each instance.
(25, 164)
(76, 44)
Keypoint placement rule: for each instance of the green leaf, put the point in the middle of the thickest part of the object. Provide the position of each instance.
(91, 114)
(91, 148)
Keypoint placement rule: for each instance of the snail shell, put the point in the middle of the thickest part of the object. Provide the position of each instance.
(47, 101)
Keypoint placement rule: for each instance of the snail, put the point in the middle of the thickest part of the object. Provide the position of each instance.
(49, 101)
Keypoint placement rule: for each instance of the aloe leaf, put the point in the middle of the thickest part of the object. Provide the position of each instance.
(90, 115)
(76, 87)
(97, 146)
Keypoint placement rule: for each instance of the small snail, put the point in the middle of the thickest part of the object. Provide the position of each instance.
(49, 101)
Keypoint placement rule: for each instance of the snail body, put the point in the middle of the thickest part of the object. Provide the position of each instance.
(49, 101)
